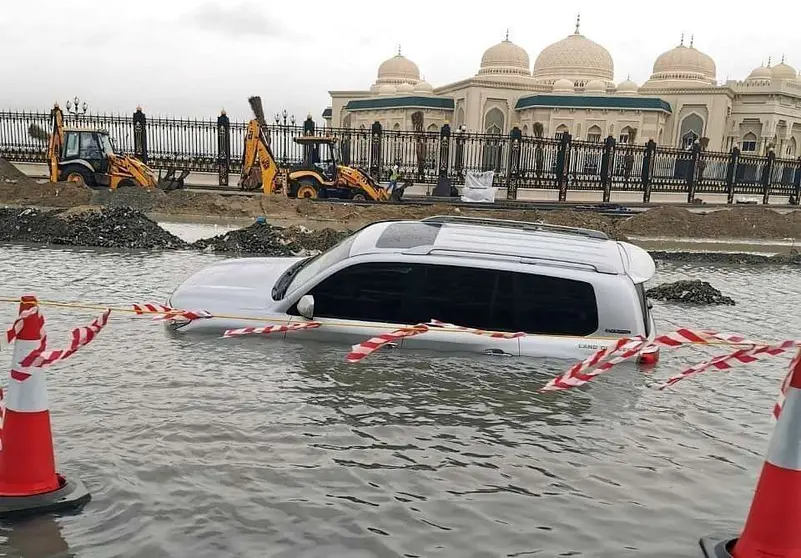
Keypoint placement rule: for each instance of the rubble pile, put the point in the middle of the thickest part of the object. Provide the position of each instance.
(86, 226)
(689, 292)
(270, 240)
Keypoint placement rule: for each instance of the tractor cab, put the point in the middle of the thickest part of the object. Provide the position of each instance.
(320, 154)
(89, 147)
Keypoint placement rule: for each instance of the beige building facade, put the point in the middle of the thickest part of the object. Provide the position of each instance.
(570, 88)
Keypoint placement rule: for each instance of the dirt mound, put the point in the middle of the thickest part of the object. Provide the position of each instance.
(17, 189)
(269, 240)
(86, 226)
(689, 292)
(737, 222)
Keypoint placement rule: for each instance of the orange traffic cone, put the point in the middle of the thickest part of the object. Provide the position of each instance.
(773, 524)
(28, 480)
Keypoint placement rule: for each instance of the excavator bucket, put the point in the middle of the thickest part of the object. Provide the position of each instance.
(169, 182)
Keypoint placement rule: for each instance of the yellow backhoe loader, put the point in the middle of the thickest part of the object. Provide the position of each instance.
(86, 156)
(318, 177)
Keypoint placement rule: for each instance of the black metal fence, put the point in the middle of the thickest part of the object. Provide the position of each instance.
(518, 161)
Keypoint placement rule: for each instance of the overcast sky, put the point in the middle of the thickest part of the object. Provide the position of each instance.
(194, 57)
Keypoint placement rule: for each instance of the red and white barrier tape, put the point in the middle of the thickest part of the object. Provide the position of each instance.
(493, 334)
(81, 336)
(169, 313)
(150, 308)
(360, 351)
(629, 347)
(266, 330)
(11, 333)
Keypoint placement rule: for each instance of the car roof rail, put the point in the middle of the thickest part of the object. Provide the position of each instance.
(525, 225)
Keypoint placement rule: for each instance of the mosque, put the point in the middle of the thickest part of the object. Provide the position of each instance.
(571, 89)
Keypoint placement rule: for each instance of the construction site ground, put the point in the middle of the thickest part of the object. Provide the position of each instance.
(737, 222)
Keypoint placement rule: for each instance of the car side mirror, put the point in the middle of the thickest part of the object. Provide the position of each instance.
(306, 306)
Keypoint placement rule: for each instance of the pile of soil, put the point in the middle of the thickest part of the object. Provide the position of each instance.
(738, 222)
(793, 258)
(689, 292)
(86, 226)
(270, 240)
(18, 189)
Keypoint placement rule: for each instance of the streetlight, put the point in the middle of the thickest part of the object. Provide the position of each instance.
(75, 108)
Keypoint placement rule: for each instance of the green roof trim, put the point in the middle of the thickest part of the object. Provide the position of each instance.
(581, 101)
(413, 101)
(327, 113)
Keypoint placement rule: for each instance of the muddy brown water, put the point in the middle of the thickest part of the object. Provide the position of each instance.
(195, 446)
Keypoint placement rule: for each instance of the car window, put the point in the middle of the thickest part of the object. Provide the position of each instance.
(644, 307)
(543, 304)
(377, 292)
(409, 293)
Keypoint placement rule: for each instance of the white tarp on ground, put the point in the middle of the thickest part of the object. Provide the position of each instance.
(478, 187)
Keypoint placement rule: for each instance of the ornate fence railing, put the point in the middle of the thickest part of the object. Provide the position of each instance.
(519, 162)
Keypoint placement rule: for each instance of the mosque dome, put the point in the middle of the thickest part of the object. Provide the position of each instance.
(563, 86)
(405, 88)
(683, 66)
(423, 87)
(783, 71)
(595, 86)
(759, 74)
(398, 69)
(505, 58)
(386, 89)
(627, 87)
(576, 58)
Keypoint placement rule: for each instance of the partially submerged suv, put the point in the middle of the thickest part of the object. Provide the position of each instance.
(571, 290)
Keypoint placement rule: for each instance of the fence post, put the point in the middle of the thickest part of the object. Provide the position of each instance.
(444, 150)
(515, 139)
(458, 158)
(797, 182)
(223, 148)
(767, 171)
(140, 135)
(695, 153)
(648, 160)
(563, 165)
(311, 153)
(375, 151)
(606, 167)
(731, 173)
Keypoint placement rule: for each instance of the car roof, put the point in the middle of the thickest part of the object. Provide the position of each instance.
(480, 238)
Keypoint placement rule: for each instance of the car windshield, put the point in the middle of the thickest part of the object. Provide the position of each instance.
(310, 267)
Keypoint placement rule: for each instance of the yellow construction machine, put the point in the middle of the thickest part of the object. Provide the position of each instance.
(319, 176)
(86, 156)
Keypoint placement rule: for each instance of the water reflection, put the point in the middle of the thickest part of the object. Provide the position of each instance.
(40, 537)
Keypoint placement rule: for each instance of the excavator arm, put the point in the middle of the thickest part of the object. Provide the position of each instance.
(259, 169)
(55, 142)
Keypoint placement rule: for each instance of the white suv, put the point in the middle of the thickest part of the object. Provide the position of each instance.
(572, 291)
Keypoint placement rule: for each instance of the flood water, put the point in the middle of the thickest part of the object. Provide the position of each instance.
(251, 447)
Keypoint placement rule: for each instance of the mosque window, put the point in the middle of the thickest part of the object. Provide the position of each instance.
(749, 143)
(594, 134)
(790, 149)
(560, 131)
(625, 135)
(692, 127)
(494, 121)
